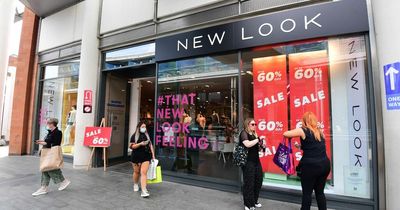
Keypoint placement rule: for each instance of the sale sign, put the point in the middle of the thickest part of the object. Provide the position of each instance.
(97, 136)
(270, 105)
(309, 91)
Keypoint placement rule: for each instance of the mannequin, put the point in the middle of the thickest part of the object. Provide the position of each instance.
(201, 120)
(215, 118)
(71, 117)
(186, 117)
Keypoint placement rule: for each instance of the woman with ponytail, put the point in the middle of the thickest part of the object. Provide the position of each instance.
(315, 165)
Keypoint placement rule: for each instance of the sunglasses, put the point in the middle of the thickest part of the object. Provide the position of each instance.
(253, 124)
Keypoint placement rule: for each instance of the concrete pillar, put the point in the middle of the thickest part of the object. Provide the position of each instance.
(23, 100)
(387, 33)
(7, 12)
(88, 78)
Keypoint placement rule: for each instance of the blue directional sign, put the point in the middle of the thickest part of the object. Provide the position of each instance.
(392, 85)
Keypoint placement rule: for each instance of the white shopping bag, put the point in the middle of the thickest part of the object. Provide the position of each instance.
(152, 172)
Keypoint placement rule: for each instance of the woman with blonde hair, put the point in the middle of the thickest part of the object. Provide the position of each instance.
(252, 171)
(315, 165)
(142, 154)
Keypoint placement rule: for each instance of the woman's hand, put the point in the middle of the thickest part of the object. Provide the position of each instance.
(41, 142)
(297, 145)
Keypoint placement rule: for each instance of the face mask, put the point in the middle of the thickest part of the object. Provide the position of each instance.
(142, 130)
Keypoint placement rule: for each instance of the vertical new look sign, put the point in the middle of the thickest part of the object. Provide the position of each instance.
(392, 85)
(318, 20)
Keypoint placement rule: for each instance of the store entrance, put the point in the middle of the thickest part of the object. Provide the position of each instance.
(129, 99)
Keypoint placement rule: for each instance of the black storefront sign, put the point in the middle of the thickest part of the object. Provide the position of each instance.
(320, 20)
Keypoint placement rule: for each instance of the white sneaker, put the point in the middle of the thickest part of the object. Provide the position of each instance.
(247, 208)
(145, 194)
(64, 184)
(135, 188)
(41, 191)
(258, 205)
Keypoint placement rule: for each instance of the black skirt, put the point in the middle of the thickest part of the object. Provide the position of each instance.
(140, 155)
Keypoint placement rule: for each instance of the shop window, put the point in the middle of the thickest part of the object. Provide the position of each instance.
(196, 116)
(327, 77)
(132, 56)
(59, 99)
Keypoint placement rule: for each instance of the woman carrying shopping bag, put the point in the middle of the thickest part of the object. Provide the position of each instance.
(51, 160)
(252, 171)
(142, 154)
(315, 165)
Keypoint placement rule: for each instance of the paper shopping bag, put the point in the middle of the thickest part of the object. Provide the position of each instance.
(152, 172)
(51, 159)
(158, 178)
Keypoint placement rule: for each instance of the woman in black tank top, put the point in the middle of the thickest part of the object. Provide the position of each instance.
(315, 165)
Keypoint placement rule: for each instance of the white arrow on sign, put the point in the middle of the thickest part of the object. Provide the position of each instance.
(391, 72)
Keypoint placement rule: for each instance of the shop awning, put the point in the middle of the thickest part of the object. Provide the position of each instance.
(43, 8)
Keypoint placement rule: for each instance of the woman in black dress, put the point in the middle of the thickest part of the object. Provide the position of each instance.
(252, 171)
(142, 154)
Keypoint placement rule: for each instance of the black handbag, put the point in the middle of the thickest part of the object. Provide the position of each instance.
(240, 154)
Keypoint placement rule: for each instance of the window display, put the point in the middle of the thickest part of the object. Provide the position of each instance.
(59, 99)
(197, 116)
(327, 77)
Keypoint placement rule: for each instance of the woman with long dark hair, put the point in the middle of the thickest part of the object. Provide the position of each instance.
(252, 171)
(142, 154)
(315, 165)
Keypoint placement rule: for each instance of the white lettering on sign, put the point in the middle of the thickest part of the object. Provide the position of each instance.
(312, 98)
(291, 22)
(286, 26)
(308, 22)
(93, 133)
(262, 32)
(198, 41)
(216, 37)
(270, 100)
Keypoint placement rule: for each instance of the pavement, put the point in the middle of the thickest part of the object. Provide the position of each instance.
(95, 189)
(3, 151)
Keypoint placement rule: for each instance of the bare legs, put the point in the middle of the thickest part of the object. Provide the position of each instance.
(140, 170)
(143, 174)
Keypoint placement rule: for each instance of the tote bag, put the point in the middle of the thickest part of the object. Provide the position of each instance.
(283, 157)
(158, 178)
(152, 172)
(51, 159)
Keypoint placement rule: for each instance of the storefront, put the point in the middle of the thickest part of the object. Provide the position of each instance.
(273, 68)
(58, 98)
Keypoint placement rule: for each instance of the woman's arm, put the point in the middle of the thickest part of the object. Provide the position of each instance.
(135, 145)
(153, 156)
(248, 143)
(298, 132)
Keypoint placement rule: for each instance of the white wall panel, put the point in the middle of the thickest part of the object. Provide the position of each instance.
(166, 8)
(387, 32)
(62, 27)
(120, 13)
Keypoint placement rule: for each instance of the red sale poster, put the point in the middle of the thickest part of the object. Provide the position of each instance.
(309, 91)
(97, 136)
(270, 105)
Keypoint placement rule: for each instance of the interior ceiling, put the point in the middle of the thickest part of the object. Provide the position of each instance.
(43, 8)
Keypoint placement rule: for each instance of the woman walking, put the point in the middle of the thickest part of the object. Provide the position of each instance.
(52, 139)
(252, 171)
(142, 154)
(315, 165)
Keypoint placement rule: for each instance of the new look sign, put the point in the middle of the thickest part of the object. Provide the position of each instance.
(320, 20)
